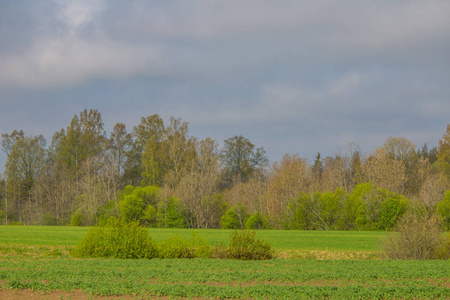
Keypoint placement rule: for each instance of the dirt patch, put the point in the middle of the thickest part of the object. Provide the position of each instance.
(326, 255)
(9, 294)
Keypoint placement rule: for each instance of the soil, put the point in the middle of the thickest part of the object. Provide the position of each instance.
(18, 294)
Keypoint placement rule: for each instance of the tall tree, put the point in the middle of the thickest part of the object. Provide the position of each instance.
(147, 136)
(317, 170)
(399, 148)
(198, 187)
(119, 144)
(83, 138)
(8, 140)
(179, 148)
(404, 151)
(26, 157)
(287, 179)
(443, 155)
(240, 158)
(335, 174)
(384, 172)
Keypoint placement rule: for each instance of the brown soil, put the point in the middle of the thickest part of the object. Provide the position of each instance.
(16, 294)
(19, 294)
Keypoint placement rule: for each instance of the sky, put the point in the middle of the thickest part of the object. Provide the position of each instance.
(297, 77)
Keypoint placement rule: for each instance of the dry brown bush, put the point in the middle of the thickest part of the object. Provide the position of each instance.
(417, 237)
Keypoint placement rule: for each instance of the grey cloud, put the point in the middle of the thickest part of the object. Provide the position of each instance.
(214, 38)
(295, 76)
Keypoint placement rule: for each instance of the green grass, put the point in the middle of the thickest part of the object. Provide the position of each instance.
(274, 279)
(38, 259)
(352, 241)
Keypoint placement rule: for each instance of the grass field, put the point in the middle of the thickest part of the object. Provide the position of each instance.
(357, 241)
(34, 261)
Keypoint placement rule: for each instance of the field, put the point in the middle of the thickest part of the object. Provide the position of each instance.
(34, 261)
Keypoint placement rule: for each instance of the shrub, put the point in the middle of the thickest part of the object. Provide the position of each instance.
(256, 221)
(149, 217)
(245, 246)
(391, 211)
(76, 219)
(48, 219)
(131, 207)
(177, 247)
(170, 214)
(133, 202)
(443, 209)
(418, 238)
(230, 220)
(116, 238)
(220, 251)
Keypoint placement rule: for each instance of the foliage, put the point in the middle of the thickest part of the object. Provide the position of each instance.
(443, 210)
(230, 220)
(443, 156)
(76, 219)
(241, 159)
(171, 214)
(227, 279)
(149, 216)
(117, 238)
(313, 211)
(287, 180)
(177, 247)
(379, 209)
(85, 171)
(391, 211)
(288, 240)
(134, 202)
(296, 216)
(49, 219)
(245, 246)
(257, 221)
(382, 170)
(418, 238)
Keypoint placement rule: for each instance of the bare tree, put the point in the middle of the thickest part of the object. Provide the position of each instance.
(384, 171)
(198, 187)
(287, 179)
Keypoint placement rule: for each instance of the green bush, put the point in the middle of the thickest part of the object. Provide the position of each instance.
(170, 214)
(116, 238)
(230, 220)
(443, 209)
(391, 211)
(177, 247)
(134, 201)
(49, 219)
(256, 221)
(131, 207)
(220, 251)
(76, 219)
(245, 246)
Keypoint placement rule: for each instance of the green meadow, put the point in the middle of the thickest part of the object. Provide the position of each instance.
(351, 241)
(35, 262)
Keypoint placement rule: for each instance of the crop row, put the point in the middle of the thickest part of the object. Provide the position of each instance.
(233, 279)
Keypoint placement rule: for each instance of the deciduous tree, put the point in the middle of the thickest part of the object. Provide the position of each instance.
(287, 179)
(198, 187)
(384, 172)
(26, 157)
(443, 155)
(240, 159)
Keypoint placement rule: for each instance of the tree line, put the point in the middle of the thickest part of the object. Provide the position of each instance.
(160, 175)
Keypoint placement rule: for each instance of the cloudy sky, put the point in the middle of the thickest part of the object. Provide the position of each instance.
(292, 76)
